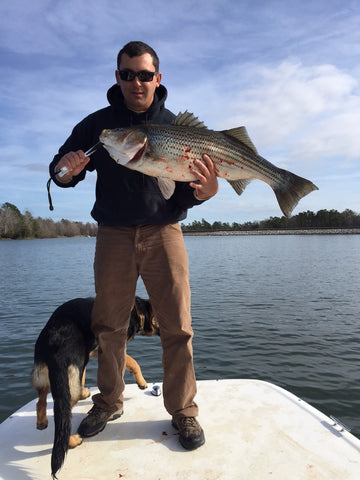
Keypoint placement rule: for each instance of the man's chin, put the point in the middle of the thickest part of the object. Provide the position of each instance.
(138, 105)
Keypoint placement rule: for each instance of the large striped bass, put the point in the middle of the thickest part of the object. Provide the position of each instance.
(168, 152)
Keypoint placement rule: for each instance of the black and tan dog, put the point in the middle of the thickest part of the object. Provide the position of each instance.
(62, 352)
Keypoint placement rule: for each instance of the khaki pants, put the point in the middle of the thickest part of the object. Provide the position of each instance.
(156, 253)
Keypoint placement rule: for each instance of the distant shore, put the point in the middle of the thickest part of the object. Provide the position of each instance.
(224, 233)
(312, 231)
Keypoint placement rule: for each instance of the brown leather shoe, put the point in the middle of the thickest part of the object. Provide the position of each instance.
(96, 421)
(191, 435)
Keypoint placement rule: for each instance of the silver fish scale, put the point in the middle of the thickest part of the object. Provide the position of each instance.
(170, 151)
(226, 152)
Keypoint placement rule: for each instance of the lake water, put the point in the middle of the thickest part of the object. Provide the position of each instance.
(284, 309)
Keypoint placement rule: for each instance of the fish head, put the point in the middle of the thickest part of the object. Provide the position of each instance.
(123, 144)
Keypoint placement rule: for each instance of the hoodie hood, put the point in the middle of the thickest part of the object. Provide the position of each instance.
(125, 197)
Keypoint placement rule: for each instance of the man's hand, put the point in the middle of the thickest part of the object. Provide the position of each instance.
(206, 174)
(75, 162)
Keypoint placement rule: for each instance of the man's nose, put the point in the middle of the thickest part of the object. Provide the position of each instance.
(136, 80)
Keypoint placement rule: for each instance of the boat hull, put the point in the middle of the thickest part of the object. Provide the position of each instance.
(253, 430)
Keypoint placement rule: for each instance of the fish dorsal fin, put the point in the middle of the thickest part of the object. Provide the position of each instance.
(241, 134)
(188, 119)
(166, 186)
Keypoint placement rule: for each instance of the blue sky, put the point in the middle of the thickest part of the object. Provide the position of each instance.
(287, 70)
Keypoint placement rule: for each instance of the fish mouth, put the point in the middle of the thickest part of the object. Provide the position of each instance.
(138, 154)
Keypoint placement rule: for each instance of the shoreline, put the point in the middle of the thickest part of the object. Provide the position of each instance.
(224, 233)
(314, 231)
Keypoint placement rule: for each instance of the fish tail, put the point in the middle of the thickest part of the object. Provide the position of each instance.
(297, 187)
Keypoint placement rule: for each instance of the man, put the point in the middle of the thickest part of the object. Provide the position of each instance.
(138, 234)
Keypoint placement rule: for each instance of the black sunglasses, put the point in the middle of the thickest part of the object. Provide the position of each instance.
(143, 75)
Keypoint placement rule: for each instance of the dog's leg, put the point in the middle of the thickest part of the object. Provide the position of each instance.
(75, 440)
(135, 370)
(76, 392)
(84, 391)
(41, 418)
(41, 383)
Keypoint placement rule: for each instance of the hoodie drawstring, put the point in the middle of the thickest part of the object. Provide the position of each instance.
(49, 195)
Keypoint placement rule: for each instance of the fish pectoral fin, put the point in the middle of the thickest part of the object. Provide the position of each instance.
(240, 185)
(240, 133)
(166, 186)
(188, 119)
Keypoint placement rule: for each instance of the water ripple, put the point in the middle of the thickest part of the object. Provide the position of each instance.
(279, 308)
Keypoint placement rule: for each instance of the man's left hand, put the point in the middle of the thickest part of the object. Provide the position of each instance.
(206, 174)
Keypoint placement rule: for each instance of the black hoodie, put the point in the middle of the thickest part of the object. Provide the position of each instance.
(125, 197)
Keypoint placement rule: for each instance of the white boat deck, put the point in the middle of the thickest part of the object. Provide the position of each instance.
(254, 430)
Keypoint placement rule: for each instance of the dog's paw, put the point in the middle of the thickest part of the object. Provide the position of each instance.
(84, 394)
(75, 440)
(42, 426)
(142, 386)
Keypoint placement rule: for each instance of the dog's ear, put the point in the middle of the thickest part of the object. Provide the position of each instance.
(147, 323)
(134, 322)
(133, 325)
(151, 326)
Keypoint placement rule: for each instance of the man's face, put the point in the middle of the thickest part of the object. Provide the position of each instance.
(138, 95)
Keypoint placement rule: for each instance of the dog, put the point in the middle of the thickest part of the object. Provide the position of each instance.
(62, 352)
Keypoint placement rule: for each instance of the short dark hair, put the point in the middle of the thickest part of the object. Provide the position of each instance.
(135, 49)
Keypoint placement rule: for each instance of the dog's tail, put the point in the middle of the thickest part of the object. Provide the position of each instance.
(59, 382)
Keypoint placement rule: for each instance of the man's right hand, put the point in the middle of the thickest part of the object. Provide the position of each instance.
(75, 162)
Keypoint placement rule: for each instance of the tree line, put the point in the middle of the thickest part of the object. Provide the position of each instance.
(305, 220)
(15, 225)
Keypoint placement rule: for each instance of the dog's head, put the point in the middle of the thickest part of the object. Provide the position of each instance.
(142, 320)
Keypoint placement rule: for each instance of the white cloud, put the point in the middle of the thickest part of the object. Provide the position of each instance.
(289, 96)
(286, 70)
